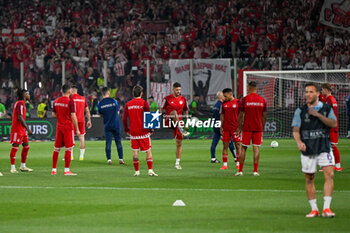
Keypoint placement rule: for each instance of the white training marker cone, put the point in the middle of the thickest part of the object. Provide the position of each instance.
(179, 203)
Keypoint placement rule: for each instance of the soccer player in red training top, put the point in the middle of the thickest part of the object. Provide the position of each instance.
(80, 106)
(175, 106)
(229, 124)
(18, 132)
(251, 122)
(64, 110)
(140, 137)
(333, 134)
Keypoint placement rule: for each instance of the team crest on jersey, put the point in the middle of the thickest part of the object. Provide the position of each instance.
(181, 102)
(307, 118)
(234, 106)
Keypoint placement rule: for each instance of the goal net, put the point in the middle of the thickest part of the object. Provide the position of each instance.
(284, 92)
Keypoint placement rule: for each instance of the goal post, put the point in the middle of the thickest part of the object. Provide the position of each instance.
(284, 92)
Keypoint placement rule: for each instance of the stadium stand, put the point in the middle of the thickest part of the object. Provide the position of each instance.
(84, 33)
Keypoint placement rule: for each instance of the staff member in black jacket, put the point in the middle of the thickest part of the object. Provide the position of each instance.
(311, 125)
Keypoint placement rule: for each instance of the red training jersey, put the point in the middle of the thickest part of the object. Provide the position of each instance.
(230, 110)
(63, 107)
(253, 106)
(80, 105)
(171, 103)
(18, 109)
(134, 110)
(332, 101)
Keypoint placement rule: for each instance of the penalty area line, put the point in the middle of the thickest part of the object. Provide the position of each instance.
(166, 189)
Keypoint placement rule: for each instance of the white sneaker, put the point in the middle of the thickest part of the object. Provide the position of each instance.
(239, 174)
(151, 173)
(185, 133)
(178, 167)
(13, 170)
(137, 173)
(109, 161)
(25, 169)
(256, 174)
(1, 174)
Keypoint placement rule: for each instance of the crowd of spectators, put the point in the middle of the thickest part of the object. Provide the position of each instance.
(126, 33)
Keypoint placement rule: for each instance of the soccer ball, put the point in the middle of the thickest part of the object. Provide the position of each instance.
(274, 144)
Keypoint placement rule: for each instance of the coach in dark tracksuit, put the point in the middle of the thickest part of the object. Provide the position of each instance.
(109, 108)
(311, 125)
(216, 133)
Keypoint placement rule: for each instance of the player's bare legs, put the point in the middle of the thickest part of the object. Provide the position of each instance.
(149, 160)
(13, 152)
(24, 154)
(135, 158)
(256, 160)
(225, 155)
(238, 146)
(82, 146)
(175, 117)
(328, 191)
(241, 160)
(178, 153)
(311, 194)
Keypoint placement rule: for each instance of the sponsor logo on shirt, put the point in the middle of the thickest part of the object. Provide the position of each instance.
(61, 105)
(135, 107)
(254, 104)
(107, 105)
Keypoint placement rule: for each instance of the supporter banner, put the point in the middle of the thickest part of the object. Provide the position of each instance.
(336, 13)
(5, 34)
(266, 87)
(209, 77)
(159, 91)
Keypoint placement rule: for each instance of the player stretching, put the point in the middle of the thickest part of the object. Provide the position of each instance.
(64, 110)
(80, 106)
(229, 124)
(251, 122)
(175, 106)
(109, 109)
(333, 134)
(311, 125)
(140, 137)
(216, 130)
(18, 132)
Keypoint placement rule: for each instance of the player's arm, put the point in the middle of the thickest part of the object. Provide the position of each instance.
(75, 122)
(74, 116)
(125, 120)
(20, 118)
(163, 106)
(328, 121)
(222, 118)
(88, 115)
(19, 110)
(296, 135)
(263, 118)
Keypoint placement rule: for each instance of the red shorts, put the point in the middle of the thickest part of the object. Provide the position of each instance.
(18, 138)
(333, 135)
(177, 134)
(255, 137)
(228, 135)
(81, 126)
(143, 144)
(64, 138)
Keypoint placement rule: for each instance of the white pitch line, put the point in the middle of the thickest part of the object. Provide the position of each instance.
(166, 189)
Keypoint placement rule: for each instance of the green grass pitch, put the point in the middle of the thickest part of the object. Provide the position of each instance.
(105, 198)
